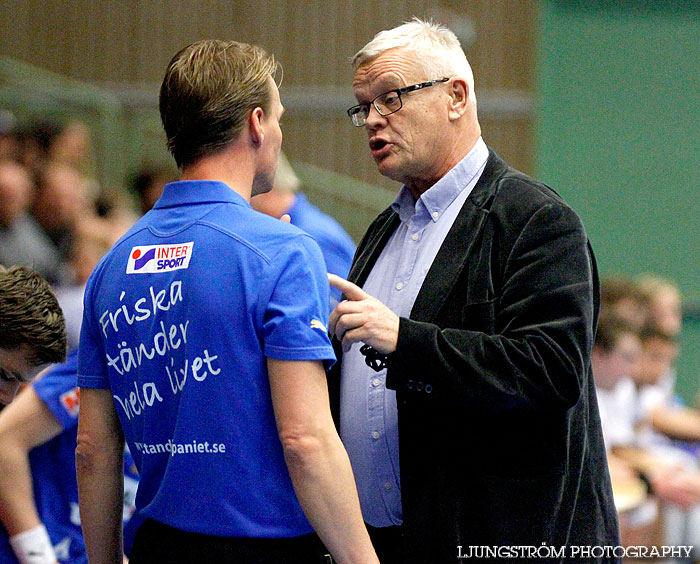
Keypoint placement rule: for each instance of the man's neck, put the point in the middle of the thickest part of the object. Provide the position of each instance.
(454, 154)
(236, 173)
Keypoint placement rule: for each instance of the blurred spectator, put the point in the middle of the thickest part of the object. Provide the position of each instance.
(34, 141)
(284, 198)
(62, 199)
(148, 185)
(72, 145)
(672, 475)
(93, 238)
(663, 299)
(22, 241)
(662, 416)
(621, 296)
(614, 358)
(67, 142)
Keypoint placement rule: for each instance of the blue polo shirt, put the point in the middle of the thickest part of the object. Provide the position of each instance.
(179, 318)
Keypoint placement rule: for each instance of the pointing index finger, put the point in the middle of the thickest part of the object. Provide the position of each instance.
(351, 291)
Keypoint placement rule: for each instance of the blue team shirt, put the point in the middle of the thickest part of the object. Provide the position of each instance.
(53, 468)
(179, 318)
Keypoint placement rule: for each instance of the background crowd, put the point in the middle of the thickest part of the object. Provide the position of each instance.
(650, 435)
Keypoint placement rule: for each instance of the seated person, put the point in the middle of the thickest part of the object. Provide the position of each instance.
(614, 357)
(672, 472)
(38, 488)
(661, 416)
(617, 355)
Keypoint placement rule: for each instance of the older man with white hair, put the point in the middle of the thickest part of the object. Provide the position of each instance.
(465, 396)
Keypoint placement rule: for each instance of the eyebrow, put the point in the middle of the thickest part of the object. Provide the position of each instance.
(22, 378)
(383, 89)
(12, 375)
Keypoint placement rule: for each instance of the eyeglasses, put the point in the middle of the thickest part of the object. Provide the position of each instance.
(386, 103)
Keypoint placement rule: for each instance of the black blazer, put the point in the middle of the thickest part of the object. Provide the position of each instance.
(499, 434)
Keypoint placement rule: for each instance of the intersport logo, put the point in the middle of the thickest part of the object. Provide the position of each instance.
(150, 259)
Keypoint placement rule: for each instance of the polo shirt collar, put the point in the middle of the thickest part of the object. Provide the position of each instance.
(184, 192)
(440, 195)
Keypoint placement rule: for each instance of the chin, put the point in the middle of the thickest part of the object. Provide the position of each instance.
(392, 174)
(386, 169)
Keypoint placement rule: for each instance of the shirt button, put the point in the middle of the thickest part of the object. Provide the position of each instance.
(387, 486)
(435, 215)
(376, 382)
(399, 285)
(414, 236)
(375, 434)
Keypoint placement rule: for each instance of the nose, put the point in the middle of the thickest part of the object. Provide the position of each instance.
(374, 118)
(8, 391)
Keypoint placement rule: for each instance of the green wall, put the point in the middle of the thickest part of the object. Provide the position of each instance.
(618, 136)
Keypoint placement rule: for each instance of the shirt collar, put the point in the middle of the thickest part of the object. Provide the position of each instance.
(440, 195)
(184, 192)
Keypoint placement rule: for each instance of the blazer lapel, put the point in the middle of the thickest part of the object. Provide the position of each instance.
(370, 249)
(459, 243)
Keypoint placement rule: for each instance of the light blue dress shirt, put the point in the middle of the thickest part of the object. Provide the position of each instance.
(368, 414)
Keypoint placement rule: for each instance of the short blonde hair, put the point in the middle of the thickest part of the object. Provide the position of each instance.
(439, 52)
(209, 90)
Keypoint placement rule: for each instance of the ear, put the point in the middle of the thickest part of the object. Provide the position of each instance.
(459, 98)
(257, 131)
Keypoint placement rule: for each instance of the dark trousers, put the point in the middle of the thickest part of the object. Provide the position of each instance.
(388, 543)
(156, 543)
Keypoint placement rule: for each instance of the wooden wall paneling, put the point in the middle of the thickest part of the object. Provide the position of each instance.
(130, 43)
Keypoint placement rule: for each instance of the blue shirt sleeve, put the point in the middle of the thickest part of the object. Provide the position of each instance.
(92, 371)
(296, 315)
(58, 390)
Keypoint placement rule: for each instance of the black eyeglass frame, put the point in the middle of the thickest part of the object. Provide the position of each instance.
(355, 110)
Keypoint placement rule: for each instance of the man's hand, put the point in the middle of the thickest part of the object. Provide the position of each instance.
(362, 318)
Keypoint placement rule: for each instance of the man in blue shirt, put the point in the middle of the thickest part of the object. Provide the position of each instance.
(203, 344)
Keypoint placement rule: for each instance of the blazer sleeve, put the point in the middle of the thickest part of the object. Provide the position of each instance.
(526, 348)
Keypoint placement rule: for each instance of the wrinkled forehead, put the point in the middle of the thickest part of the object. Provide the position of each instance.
(394, 68)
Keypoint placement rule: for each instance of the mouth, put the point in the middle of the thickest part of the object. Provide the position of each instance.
(378, 146)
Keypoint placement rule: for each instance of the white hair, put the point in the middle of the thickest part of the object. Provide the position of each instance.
(437, 49)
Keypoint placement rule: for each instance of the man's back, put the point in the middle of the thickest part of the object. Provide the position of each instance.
(185, 309)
